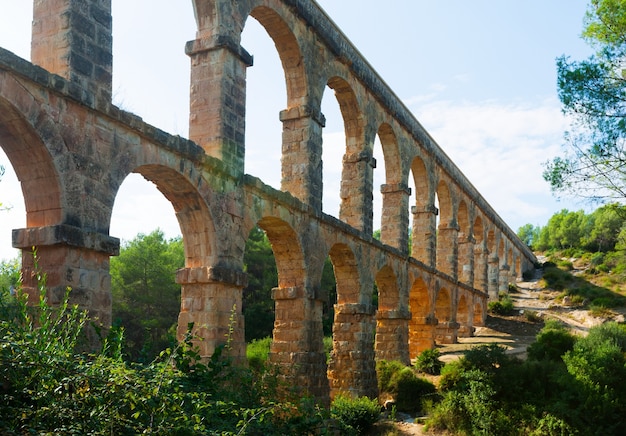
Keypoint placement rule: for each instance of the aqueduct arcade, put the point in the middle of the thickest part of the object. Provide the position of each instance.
(438, 261)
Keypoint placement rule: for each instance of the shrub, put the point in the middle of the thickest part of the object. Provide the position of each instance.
(503, 306)
(355, 416)
(532, 316)
(428, 362)
(257, 353)
(408, 390)
(50, 387)
(552, 342)
(385, 369)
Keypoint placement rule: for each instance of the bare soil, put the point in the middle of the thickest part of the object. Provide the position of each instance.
(533, 305)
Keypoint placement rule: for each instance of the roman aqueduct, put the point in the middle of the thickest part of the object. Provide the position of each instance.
(72, 149)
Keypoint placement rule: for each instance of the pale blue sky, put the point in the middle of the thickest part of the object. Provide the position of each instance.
(479, 75)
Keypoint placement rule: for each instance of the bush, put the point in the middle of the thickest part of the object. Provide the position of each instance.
(257, 353)
(49, 387)
(503, 306)
(355, 416)
(552, 342)
(385, 369)
(428, 362)
(408, 390)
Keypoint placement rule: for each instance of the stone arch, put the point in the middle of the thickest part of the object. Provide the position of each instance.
(289, 52)
(287, 251)
(443, 306)
(357, 162)
(480, 255)
(346, 274)
(351, 368)
(393, 164)
(386, 282)
(463, 220)
(423, 247)
(479, 314)
(446, 214)
(194, 216)
(420, 325)
(463, 316)
(391, 342)
(446, 329)
(33, 164)
(395, 193)
(351, 114)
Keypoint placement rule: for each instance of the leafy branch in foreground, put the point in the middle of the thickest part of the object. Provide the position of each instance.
(48, 386)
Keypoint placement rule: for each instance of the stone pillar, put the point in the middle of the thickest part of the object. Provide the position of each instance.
(392, 335)
(466, 259)
(74, 40)
(424, 245)
(493, 278)
(395, 221)
(352, 368)
(217, 103)
(447, 332)
(465, 320)
(73, 259)
(421, 334)
(356, 191)
(448, 250)
(481, 278)
(302, 154)
(504, 279)
(297, 347)
(211, 300)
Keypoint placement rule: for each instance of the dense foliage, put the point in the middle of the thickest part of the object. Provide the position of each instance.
(146, 297)
(603, 230)
(48, 387)
(567, 386)
(593, 94)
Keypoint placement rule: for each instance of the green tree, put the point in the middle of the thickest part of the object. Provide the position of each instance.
(146, 298)
(10, 277)
(258, 305)
(593, 94)
(607, 224)
(529, 234)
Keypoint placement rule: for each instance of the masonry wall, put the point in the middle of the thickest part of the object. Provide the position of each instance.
(72, 149)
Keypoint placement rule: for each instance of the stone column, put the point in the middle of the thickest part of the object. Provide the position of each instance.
(421, 334)
(446, 332)
(74, 40)
(466, 259)
(356, 191)
(302, 154)
(217, 103)
(211, 300)
(395, 220)
(424, 245)
(481, 278)
(297, 347)
(352, 368)
(465, 321)
(71, 258)
(504, 279)
(493, 277)
(448, 250)
(392, 335)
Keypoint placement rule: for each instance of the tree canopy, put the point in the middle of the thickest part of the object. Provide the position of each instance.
(146, 298)
(593, 94)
